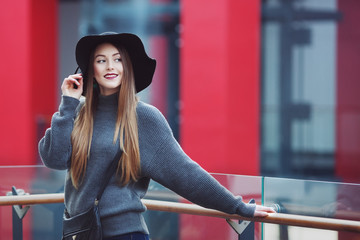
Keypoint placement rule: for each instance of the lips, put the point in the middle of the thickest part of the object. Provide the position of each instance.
(110, 76)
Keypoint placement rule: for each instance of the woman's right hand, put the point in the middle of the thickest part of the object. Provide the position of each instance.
(68, 88)
(262, 211)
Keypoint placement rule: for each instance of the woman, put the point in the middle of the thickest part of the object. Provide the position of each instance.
(85, 136)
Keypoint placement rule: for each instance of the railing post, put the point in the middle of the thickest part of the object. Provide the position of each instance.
(18, 213)
(17, 225)
(244, 229)
(248, 233)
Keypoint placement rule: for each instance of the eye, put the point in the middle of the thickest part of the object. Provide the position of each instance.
(118, 60)
(100, 61)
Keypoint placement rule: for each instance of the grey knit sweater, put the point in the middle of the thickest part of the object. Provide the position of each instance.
(162, 160)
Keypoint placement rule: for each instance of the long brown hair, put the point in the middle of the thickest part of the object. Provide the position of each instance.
(126, 128)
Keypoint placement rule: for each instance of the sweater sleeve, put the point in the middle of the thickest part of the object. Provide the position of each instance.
(55, 147)
(172, 168)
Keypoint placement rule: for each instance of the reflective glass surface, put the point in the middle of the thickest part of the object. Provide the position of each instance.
(311, 198)
(41, 221)
(303, 197)
(45, 221)
(163, 225)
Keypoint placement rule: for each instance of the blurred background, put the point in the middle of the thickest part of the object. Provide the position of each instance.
(249, 87)
(259, 88)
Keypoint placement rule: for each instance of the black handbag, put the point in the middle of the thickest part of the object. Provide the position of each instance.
(87, 225)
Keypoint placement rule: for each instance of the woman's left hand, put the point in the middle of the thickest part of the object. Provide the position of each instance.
(263, 211)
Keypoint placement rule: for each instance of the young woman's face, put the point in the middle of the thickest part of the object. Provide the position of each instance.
(108, 68)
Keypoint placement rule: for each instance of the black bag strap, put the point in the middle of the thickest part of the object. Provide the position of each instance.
(109, 173)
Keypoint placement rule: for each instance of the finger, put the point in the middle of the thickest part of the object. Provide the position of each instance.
(260, 214)
(265, 209)
(76, 75)
(81, 81)
(71, 80)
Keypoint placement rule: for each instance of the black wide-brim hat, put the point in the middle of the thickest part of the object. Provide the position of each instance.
(143, 65)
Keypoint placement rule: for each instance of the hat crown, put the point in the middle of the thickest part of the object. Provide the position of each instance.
(143, 65)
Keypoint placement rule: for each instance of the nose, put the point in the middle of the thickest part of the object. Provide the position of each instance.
(110, 65)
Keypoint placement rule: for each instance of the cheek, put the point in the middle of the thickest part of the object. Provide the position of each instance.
(121, 67)
(97, 70)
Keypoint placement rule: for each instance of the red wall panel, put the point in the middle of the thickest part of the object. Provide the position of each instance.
(15, 81)
(348, 108)
(348, 88)
(28, 75)
(219, 85)
(219, 93)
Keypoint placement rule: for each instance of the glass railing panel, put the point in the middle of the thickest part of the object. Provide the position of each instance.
(41, 221)
(314, 198)
(45, 221)
(31, 179)
(311, 198)
(164, 225)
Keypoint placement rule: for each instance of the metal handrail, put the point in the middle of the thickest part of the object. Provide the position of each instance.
(187, 208)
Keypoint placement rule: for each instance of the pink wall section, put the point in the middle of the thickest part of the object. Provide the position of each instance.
(28, 75)
(159, 48)
(219, 84)
(348, 89)
(348, 107)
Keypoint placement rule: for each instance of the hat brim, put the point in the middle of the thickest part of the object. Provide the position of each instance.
(143, 65)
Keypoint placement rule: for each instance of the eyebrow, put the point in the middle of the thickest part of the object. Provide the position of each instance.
(101, 55)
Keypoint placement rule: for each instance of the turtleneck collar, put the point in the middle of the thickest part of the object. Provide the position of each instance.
(108, 102)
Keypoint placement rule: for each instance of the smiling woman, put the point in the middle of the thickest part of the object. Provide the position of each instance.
(85, 136)
(108, 68)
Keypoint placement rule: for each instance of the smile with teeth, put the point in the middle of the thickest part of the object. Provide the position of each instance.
(111, 76)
